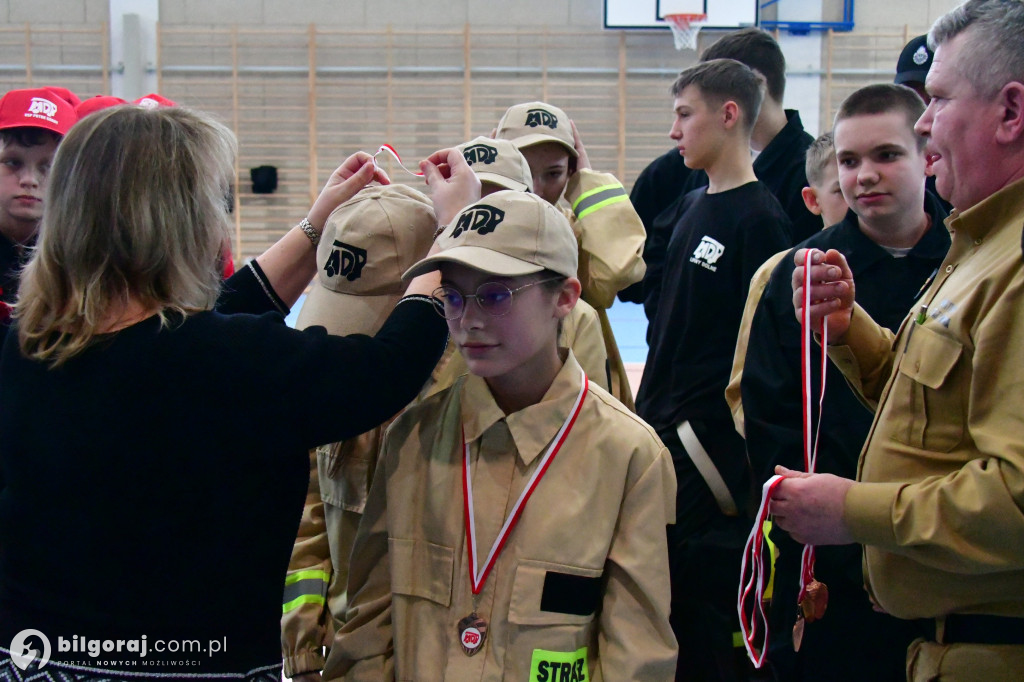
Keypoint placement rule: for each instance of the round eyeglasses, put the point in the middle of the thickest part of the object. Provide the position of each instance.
(494, 298)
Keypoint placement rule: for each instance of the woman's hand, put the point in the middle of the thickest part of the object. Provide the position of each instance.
(452, 182)
(345, 182)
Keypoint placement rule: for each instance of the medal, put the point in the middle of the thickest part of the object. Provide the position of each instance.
(473, 629)
(472, 633)
(815, 601)
(811, 608)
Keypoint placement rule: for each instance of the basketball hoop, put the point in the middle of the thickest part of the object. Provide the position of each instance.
(685, 28)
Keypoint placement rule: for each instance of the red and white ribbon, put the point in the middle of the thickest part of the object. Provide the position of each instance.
(810, 444)
(754, 559)
(753, 589)
(478, 577)
(391, 150)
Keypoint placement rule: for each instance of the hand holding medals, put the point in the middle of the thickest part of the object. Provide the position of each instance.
(813, 599)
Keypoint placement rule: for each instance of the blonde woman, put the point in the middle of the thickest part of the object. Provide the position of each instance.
(146, 514)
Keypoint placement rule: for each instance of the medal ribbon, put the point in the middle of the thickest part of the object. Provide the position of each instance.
(810, 447)
(391, 150)
(753, 557)
(478, 577)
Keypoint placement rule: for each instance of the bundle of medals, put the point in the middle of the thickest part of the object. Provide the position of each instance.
(813, 597)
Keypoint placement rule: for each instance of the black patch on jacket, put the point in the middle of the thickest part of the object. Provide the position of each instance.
(573, 594)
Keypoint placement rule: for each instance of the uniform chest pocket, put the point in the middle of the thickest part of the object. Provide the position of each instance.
(928, 394)
(554, 594)
(422, 569)
(346, 471)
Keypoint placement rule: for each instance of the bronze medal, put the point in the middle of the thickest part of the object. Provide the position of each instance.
(472, 633)
(798, 632)
(815, 601)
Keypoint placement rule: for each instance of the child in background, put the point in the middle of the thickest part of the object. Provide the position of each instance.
(725, 232)
(608, 229)
(367, 243)
(516, 524)
(894, 239)
(823, 197)
(32, 124)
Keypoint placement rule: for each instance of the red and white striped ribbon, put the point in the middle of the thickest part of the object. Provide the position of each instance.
(391, 150)
(754, 559)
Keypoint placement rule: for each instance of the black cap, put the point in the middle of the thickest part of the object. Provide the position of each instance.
(915, 60)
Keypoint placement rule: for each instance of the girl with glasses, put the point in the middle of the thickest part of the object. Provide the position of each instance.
(515, 528)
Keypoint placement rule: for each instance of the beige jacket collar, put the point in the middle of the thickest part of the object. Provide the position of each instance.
(532, 428)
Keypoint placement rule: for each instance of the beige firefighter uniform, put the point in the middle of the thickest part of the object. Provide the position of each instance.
(581, 585)
(314, 591)
(339, 483)
(611, 237)
(757, 285)
(939, 508)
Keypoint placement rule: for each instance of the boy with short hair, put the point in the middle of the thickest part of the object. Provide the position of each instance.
(894, 240)
(610, 233)
(778, 138)
(823, 197)
(516, 524)
(32, 123)
(725, 233)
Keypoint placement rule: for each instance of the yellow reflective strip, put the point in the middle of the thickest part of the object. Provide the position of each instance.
(304, 599)
(594, 191)
(773, 552)
(305, 575)
(737, 640)
(602, 204)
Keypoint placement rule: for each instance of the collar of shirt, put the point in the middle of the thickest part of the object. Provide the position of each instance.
(532, 428)
(1003, 209)
(781, 146)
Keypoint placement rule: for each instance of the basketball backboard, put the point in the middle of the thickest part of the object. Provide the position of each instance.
(643, 14)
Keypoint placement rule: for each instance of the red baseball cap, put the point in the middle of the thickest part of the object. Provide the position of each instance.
(153, 100)
(94, 104)
(65, 94)
(36, 108)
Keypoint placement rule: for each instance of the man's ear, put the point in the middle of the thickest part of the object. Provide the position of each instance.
(810, 197)
(1011, 101)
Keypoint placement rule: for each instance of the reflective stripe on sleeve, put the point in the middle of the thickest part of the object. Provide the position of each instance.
(598, 198)
(305, 587)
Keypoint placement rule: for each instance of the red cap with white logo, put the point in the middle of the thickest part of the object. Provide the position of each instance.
(36, 108)
(153, 100)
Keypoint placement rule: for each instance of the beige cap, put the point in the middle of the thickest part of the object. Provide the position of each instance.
(498, 162)
(525, 125)
(367, 243)
(507, 233)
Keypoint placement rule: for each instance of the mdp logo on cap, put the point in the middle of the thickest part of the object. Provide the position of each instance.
(22, 652)
(921, 56)
(480, 153)
(482, 219)
(541, 117)
(345, 260)
(41, 105)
